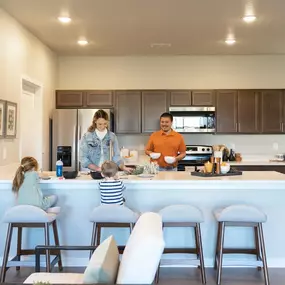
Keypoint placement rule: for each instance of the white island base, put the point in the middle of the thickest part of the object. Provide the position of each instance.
(77, 198)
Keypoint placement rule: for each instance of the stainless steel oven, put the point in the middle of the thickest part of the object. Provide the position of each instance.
(193, 119)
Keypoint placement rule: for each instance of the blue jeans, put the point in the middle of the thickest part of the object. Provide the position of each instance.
(167, 168)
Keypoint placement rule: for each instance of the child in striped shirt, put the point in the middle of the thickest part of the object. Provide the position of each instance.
(111, 188)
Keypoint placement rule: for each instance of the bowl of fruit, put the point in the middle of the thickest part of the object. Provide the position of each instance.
(225, 167)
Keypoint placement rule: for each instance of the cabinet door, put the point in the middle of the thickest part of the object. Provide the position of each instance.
(99, 98)
(203, 98)
(226, 111)
(271, 111)
(154, 103)
(128, 112)
(180, 98)
(248, 111)
(69, 99)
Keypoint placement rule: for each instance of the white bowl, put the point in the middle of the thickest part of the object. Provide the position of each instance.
(169, 159)
(225, 169)
(155, 155)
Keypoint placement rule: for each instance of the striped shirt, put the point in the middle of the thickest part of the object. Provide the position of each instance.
(112, 192)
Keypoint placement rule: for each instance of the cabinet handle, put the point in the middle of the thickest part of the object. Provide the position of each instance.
(282, 127)
(236, 127)
(239, 127)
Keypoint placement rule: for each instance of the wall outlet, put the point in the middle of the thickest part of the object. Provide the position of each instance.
(275, 146)
(4, 154)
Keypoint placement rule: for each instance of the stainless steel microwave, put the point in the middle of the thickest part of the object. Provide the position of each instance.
(193, 119)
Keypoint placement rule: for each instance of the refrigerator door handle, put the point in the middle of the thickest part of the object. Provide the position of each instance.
(111, 150)
(78, 138)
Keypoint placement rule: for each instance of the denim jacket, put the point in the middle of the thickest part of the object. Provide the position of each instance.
(90, 149)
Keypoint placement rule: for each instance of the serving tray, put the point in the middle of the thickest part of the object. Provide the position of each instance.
(232, 172)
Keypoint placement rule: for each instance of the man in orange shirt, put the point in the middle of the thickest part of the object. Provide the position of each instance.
(168, 143)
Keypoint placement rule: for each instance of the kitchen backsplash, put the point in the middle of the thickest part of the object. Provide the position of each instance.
(245, 144)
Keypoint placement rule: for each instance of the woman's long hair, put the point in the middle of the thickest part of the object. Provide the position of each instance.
(28, 163)
(99, 114)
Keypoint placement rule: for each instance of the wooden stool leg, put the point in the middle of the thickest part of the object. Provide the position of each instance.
(217, 246)
(47, 242)
(6, 253)
(56, 241)
(19, 246)
(98, 238)
(220, 253)
(257, 245)
(264, 260)
(93, 238)
(200, 250)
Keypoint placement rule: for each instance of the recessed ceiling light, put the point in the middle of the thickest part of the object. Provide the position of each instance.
(230, 41)
(249, 18)
(82, 42)
(64, 19)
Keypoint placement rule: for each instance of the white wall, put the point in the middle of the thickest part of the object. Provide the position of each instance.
(21, 54)
(172, 72)
(197, 72)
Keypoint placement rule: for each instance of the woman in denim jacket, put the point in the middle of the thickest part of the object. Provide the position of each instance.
(95, 144)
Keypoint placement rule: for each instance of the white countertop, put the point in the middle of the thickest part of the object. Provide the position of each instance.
(169, 176)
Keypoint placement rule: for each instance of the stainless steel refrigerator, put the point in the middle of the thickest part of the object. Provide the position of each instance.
(67, 128)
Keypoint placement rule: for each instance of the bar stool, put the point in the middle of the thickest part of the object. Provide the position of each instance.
(240, 216)
(185, 216)
(110, 216)
(26, 216)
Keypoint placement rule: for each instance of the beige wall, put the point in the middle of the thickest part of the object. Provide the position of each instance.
(172, 72)
(21, 54)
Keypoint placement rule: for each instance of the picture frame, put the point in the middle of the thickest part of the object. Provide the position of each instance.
(2, 118)
(11, 120)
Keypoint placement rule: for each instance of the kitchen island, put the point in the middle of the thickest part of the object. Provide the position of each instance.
(79, 196)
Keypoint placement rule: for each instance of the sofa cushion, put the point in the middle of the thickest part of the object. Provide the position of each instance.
(104, 263)
(143, 251)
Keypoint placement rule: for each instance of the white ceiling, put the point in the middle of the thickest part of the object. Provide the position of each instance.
(129, 27)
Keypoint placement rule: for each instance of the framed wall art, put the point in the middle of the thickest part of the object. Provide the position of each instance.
(2, 118)
(11, 120)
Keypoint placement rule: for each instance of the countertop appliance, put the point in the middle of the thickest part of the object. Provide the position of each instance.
(66, 130)
(196, 155)
(193, 119)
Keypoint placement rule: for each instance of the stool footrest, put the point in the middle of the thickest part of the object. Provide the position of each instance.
(239, 251)
(183, 262)
(180, 250)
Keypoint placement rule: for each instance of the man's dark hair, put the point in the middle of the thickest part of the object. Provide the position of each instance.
(167, 115)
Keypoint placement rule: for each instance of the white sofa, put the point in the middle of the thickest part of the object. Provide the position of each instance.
(138, 264)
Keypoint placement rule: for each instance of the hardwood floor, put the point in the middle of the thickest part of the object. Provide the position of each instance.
(181, 276)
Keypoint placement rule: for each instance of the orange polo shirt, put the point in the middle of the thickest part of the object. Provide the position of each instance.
(166, 144)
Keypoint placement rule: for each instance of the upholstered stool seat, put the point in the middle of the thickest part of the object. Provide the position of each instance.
(26, 216)
(240, 216)
(110, 216)
(184, 216)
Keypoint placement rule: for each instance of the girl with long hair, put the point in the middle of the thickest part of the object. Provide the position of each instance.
(26, 186)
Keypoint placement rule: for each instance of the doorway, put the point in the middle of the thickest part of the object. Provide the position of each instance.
(31, 121)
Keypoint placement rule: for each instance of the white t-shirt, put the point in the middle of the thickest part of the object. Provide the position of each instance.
(101, 135)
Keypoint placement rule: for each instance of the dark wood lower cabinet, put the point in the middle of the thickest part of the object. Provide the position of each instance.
(276, 168)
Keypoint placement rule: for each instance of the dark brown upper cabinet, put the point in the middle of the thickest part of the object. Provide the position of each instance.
(226, 111)
(128, 112)
(180, 98)
(154, 103)
(203, 98)
(99, 98)
(192, 98)
(248, 111)
(272, 111)
(69, 99)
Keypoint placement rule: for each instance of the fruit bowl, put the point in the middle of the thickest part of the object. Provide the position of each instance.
(225, 168)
